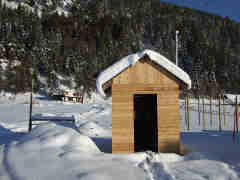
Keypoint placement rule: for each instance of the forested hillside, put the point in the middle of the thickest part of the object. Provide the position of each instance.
(93, 34)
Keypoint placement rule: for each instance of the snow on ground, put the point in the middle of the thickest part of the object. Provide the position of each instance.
(3, 64)
(38, 7)
(16, 4)
(82, 150)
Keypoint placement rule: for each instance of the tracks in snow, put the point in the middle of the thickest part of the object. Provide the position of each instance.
(12, 174)
(154, 170)
(83, 117)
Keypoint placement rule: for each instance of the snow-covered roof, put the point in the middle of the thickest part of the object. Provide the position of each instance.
(130, 60)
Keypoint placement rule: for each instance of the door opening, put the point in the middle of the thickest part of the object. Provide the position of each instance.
(145, 122)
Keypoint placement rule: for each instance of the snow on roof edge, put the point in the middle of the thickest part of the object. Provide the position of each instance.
(130, 60)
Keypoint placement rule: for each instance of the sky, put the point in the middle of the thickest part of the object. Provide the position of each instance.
(222, 8)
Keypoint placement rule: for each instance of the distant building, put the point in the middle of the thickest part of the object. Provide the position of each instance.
(67, 96)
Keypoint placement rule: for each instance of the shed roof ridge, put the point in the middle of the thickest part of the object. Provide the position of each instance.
(131, 60)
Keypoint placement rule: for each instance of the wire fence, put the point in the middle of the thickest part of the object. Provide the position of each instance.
(208, 113)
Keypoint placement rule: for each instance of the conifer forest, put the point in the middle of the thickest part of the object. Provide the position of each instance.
(93, 34)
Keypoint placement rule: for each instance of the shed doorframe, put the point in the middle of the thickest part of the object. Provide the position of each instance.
(151, 104)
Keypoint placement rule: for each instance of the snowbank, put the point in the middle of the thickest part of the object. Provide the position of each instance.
(50, 135)
(53, 151)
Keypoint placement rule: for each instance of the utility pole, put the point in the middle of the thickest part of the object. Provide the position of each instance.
(151, 22)
(30, 113)
(177, 32)
(106, 6)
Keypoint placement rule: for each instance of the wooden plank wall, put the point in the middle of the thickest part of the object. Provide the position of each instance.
(145, 78)
(146, 73)
(122, 124)
(168, 121)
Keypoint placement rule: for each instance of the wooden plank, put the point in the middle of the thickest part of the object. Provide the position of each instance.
(163, 116)
(121, 126)
(124, 124)
(122, 117)
(165, 134)
(136, 85)
(169, 119)
(120, 139)
(122, 112)
(120, 142)
(122, 104)
(169, 138)
(124, 77)
(147, 87)
(174, 131)
(121, 99)
(170, 148)
(120, 148)
(168, 125)
(124, 132)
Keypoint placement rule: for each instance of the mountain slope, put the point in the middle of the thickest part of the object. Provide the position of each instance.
(92, 37)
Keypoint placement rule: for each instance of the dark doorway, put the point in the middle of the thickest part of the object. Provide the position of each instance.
(145, 122)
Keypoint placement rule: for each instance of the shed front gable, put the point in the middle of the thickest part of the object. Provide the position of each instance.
(148, 73)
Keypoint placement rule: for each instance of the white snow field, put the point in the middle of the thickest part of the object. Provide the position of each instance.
(68, 151)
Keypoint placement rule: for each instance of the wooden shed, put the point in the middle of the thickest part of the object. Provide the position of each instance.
(145, 102)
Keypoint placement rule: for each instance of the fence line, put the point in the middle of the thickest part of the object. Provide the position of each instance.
(215, 112)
